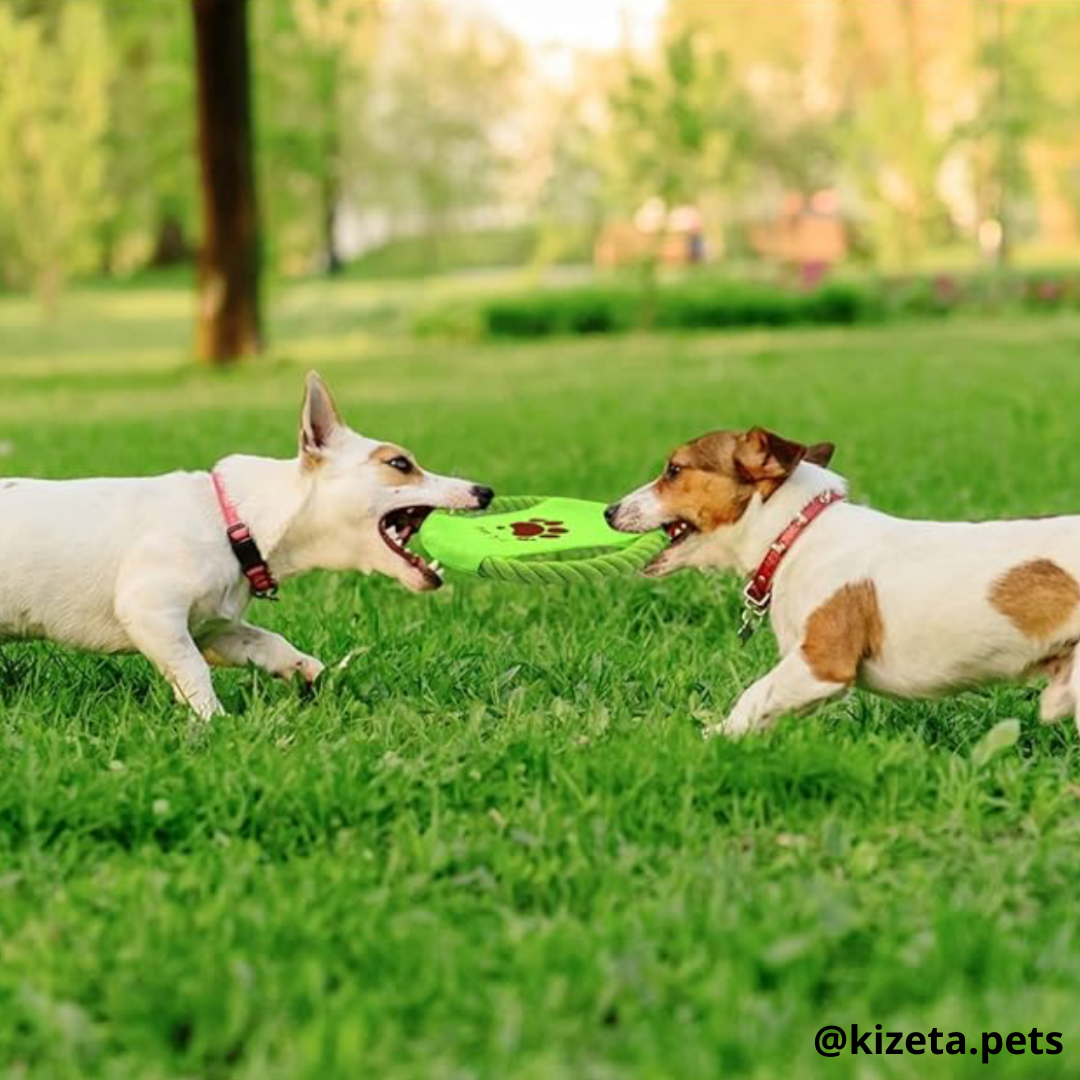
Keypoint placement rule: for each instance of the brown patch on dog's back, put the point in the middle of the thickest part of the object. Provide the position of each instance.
(1037, 597)
(843, 632)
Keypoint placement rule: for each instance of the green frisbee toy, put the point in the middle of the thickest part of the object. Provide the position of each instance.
(533, 540)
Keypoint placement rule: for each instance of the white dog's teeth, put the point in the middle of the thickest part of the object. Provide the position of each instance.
(437, 566)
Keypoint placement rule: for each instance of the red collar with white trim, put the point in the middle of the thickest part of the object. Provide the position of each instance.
(757, 596)
(248, 555)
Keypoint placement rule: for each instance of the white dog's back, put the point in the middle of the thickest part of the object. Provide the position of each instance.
(62, 543)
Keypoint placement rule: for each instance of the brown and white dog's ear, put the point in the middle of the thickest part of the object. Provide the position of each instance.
(820, 453)
(319, 419)
(762, 456)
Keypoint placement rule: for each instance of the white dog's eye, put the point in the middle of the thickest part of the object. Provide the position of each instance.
(673, 470)
(402, 464)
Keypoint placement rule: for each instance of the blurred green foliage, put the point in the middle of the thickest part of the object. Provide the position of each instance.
(480, 249)
(706, 301)
(97, 124)
(422, 136)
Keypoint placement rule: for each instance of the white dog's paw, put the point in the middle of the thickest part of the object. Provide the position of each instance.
(203, 706)
(733, 727)
(205, 710)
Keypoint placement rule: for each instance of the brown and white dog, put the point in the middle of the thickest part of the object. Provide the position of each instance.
(854, 596)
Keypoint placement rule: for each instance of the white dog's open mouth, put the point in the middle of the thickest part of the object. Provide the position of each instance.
(397, 528)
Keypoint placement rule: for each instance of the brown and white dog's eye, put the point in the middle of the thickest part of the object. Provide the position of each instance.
(402, 464)
(672, 471)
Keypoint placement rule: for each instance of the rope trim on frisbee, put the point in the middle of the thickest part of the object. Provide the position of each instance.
(627, 560)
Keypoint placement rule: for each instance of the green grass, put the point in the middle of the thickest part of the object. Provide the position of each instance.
(495, 845)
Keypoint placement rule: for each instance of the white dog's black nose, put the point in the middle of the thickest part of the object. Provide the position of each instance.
(483, 495)
(611, 513)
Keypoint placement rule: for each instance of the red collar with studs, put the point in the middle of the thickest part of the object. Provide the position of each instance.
(248, 555)
(757, 596)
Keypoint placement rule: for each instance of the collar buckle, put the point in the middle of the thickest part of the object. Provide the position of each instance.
(246, 551)
(754, 610)
(757, 593)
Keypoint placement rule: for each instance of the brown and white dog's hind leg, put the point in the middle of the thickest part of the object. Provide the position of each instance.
(1072, 673)
(789, 687)
(1057, 700)
(244, 644)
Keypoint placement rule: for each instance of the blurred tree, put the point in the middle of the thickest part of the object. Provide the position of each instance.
(228, 318)
(776, 119)
(671, 131)
(1011, 107)
(764, 43)
(314, 71)
(675, 132)
(564, 178)
(895, 123)
(873, 97)
(1049, 34)
(54, 67)
(153, 209)
(437, 132)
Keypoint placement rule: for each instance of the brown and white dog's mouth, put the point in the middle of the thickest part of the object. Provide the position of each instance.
(397, 528)
(678, 530)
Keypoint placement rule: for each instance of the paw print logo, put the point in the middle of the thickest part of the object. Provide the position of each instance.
(537, 529)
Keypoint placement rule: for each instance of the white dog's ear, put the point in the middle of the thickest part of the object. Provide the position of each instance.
(319, 419)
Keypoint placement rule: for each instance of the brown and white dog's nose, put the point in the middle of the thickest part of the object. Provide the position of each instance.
(483, 495)
(611, 513)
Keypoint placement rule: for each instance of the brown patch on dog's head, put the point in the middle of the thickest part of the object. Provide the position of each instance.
(709, 482)
(401, 466)
(1037, 597)
(843, 632)
(701, 483)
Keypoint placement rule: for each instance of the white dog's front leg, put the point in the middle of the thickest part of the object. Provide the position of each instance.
(160, 632)
(790, 686)
(244, 644)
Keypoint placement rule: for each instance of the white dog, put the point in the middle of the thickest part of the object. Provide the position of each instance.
(910, 608)
(166, 565)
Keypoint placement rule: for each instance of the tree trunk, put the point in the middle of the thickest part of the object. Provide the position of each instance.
(228, 318)
(331, 168)
(170, 244)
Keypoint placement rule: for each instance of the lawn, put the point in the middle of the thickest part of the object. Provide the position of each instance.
(495, 845)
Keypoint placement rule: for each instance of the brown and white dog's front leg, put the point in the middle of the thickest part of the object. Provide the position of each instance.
(838, 637)
(789, 687)
(243, 644)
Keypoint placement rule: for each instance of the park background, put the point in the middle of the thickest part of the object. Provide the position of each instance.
(540, 244)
